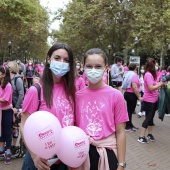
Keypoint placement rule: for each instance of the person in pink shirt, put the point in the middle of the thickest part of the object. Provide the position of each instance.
(105, 77)
(101, 113)
(57, 97)
(125, 67)
(30, 73)
(6, 114)
(40, 69)
(150, 99)
(131, 94)
(80, 83)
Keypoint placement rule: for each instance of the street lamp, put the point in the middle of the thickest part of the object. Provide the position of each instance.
(25, 56)
(109, 48)
(136, 44)
(18, 51)
(133, 51)
(9, 47)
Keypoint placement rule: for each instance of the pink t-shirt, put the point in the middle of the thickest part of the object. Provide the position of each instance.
(136, 80)
(40, 70)
(126, 68)
(6, 94)
(105, 80)
(61, 108)
(99, 110)
(150, 96)
(80, 83)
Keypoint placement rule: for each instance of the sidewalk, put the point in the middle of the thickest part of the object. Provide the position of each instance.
(139, 156)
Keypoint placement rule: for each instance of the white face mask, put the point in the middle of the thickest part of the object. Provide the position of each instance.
(77, 67)
(156, 67)
(59, 68)
(94, 75)
(142, 71)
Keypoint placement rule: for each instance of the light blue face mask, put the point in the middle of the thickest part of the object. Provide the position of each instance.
(59, 69)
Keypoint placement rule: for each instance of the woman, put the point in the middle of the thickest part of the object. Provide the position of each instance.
(150, 99)
(79, 69)
(57, 97)
(80, 83)
(131, 85)
(117, 71)
(142, 70)
(6, 114)
(101, 113)
(17, 97)
(30, 73)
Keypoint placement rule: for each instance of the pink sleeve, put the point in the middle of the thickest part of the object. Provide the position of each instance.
(82, 83)
(149, 79)
(30, 103)
(135, 79)
(120, 110)
(7, 93)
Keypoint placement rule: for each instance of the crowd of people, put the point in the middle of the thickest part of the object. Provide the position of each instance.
(98, 98)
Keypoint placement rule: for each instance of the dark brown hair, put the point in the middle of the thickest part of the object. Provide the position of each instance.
(95, 51)
(132, 66)
(47, 79)
(7, 79)
(150, 66)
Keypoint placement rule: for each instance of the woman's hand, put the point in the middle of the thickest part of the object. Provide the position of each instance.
(40, 163)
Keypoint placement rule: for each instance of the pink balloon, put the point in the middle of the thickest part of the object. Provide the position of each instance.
(42, 132)
(74, 146)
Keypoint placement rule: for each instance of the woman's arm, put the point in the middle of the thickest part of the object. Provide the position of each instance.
(121, 143)
(2, 100)
(135, 88)
(39, 163)
(157, 86)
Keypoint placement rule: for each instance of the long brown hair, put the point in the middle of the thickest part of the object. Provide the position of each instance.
(47, 79)
(150, 66)
(7, 79)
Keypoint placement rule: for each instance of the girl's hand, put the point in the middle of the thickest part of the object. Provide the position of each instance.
(40, 163)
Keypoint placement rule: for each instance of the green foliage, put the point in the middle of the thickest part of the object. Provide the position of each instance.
(99, 23)
(25, 23)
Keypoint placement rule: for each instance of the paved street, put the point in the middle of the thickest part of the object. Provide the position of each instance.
(152, 156)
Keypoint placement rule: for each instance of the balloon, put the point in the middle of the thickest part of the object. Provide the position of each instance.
(74, 146)
(42, 132)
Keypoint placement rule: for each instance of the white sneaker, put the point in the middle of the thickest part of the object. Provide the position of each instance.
(140, 114)
(167, 114)
(143, 113)
(138, 103)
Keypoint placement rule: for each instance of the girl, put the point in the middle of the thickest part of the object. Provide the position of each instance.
(30, 72)
(57, 97)
(17, 97)
(80, 83)
(6, 114)
(150, 99)
(142, 70)
(101, 113)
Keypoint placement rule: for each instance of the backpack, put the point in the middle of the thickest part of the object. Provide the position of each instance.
(37, 86)
(15, 80)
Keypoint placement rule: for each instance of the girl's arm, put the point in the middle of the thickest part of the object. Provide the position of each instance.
(2, 100)
(157, 86)
(121, 143)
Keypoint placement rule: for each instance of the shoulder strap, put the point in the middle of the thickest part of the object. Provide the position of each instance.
(39, 94)
(15, 80)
